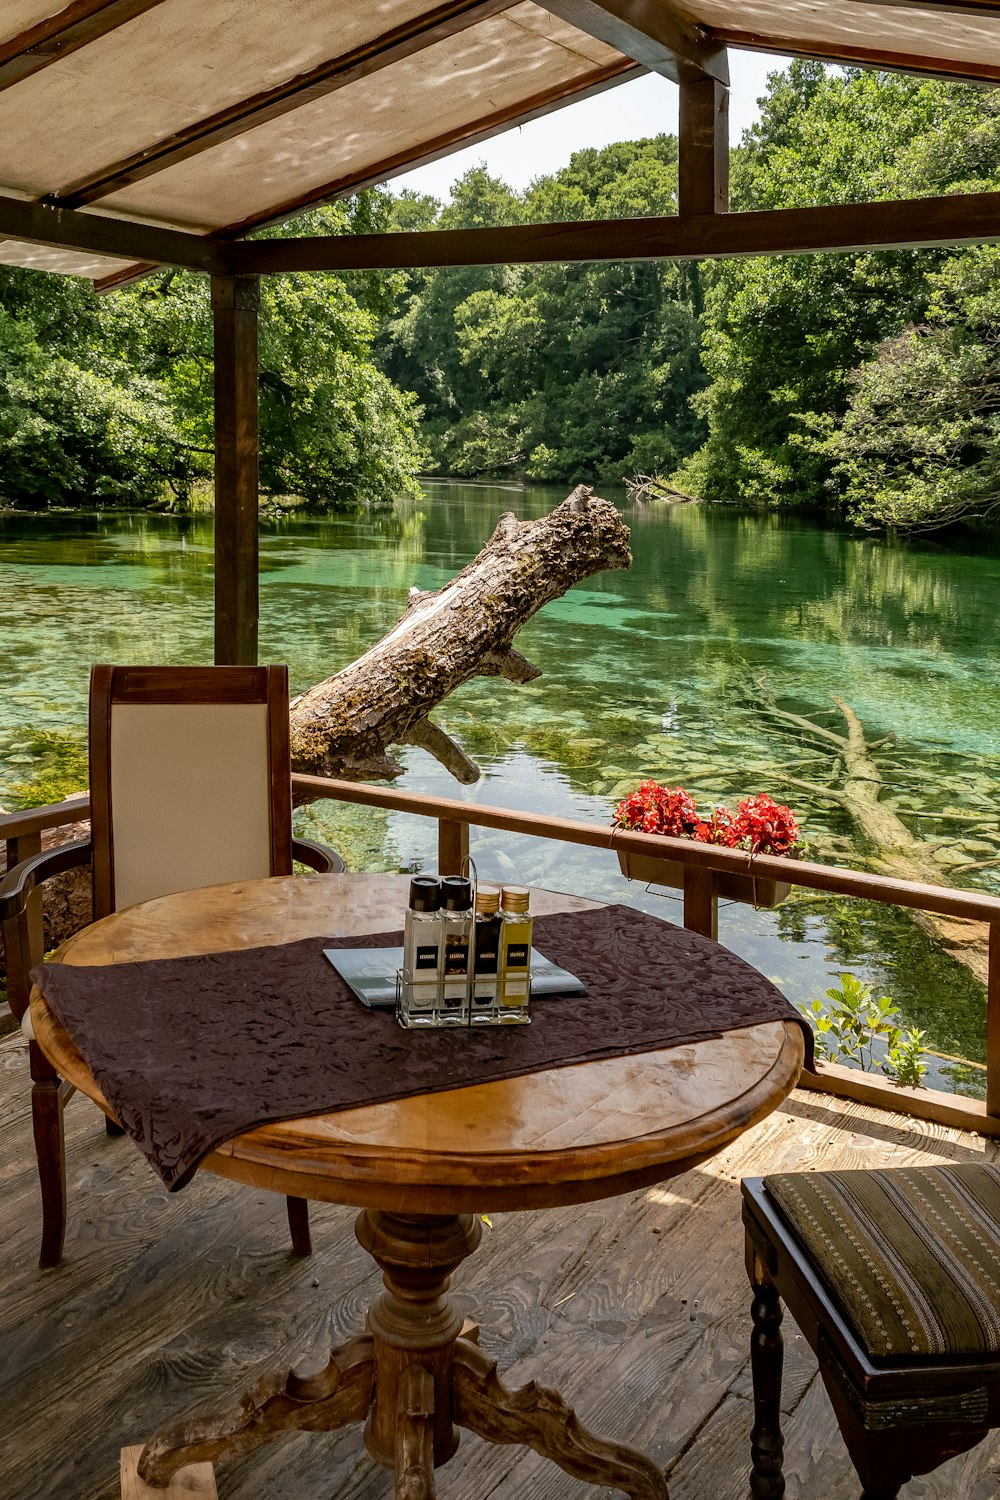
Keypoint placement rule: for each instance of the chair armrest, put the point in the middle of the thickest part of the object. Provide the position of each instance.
(317, 857)
(19, 882)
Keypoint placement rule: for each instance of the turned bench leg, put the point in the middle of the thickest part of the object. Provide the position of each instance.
(767, 1481)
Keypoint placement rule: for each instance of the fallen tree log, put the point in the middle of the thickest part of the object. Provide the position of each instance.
(888, 845)
(347, 725)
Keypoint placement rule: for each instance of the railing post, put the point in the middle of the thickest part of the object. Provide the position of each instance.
(453, 846)
(993, 1023)
(701, 904)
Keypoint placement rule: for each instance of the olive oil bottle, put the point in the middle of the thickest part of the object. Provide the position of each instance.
(514, 990)
(485, 957)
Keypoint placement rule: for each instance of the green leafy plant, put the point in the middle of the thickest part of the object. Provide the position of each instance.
(854, 1026)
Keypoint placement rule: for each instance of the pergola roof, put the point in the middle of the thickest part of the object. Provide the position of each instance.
(219, 116)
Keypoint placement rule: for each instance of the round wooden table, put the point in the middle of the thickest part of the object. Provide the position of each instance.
(422, 1170)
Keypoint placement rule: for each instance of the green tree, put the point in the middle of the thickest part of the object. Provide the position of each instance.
(784, 337)
(555, 372)
(111, 399)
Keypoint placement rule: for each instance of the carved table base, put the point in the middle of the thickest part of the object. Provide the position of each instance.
(411, 1378)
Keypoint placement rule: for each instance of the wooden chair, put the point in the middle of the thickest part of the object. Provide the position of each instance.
(893, 1278)
(190, 785)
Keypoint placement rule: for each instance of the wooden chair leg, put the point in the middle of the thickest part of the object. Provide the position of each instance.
(112, 1127)
(298, 1224)
(767, 1481)
(48, 1095)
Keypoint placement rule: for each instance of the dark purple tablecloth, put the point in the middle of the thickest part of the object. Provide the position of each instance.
(192, 1051)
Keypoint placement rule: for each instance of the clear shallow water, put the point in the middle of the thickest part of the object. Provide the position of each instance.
(642, 676)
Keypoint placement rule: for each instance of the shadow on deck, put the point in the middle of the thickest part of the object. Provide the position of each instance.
(635, 1309)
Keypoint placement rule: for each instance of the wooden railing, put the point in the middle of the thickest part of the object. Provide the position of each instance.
(703, 863)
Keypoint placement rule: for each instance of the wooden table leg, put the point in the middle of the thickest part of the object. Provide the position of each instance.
(416, 1373)
(540, 1419)
(285, 1402)
(414, 1322)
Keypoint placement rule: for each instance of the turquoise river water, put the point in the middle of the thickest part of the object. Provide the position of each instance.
(644, 673)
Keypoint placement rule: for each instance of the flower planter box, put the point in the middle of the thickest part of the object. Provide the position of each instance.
(752, 889)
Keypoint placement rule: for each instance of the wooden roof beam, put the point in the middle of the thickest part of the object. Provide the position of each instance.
(650, 32)
(967, 218)
(96, 234)
(59, 35)
(402, 41)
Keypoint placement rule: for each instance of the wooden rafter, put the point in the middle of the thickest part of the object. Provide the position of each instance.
(67, 229)
(401, 42)
(924, 65)
(967, 218)
(59, 35)
(428, 151)
(650, 32)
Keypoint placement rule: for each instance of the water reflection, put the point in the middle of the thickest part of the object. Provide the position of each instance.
(641, 677)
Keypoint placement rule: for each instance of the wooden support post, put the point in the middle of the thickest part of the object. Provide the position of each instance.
(701, 904)
(235, 301)
(453, 846)
(993, 1023)
(703, 146)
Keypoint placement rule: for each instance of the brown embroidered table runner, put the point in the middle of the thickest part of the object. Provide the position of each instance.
(192, 1051)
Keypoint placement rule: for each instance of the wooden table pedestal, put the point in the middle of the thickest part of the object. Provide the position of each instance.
(414, 1378)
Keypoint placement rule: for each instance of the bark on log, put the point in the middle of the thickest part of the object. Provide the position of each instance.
(346, 725)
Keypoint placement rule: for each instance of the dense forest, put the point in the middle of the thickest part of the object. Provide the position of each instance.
(863, 386)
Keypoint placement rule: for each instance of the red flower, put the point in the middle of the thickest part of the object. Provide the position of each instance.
(760, 825)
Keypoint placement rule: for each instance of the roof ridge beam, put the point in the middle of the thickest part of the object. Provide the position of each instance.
(966, 218)
(446, 20)
(651, 32)
(100, 234)
(57, 36)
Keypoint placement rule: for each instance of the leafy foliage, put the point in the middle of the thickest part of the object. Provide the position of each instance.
(855, 1027)
(556, 372)
(808, 357)
(111, 401)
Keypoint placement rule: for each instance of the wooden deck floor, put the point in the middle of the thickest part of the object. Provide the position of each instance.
(635, 1309)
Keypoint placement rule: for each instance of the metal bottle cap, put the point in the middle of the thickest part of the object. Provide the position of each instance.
(488, 899)
(425, 893)
(456, 893)
(515, 898)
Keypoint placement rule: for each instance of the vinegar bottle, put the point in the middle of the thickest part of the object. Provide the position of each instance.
(456, 935)
(515, 956)
(421, 953)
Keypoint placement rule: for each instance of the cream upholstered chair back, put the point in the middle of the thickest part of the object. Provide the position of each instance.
(189, 779)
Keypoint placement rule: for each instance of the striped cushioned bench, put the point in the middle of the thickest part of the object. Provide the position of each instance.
(912, 1254)
(893, 1277)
